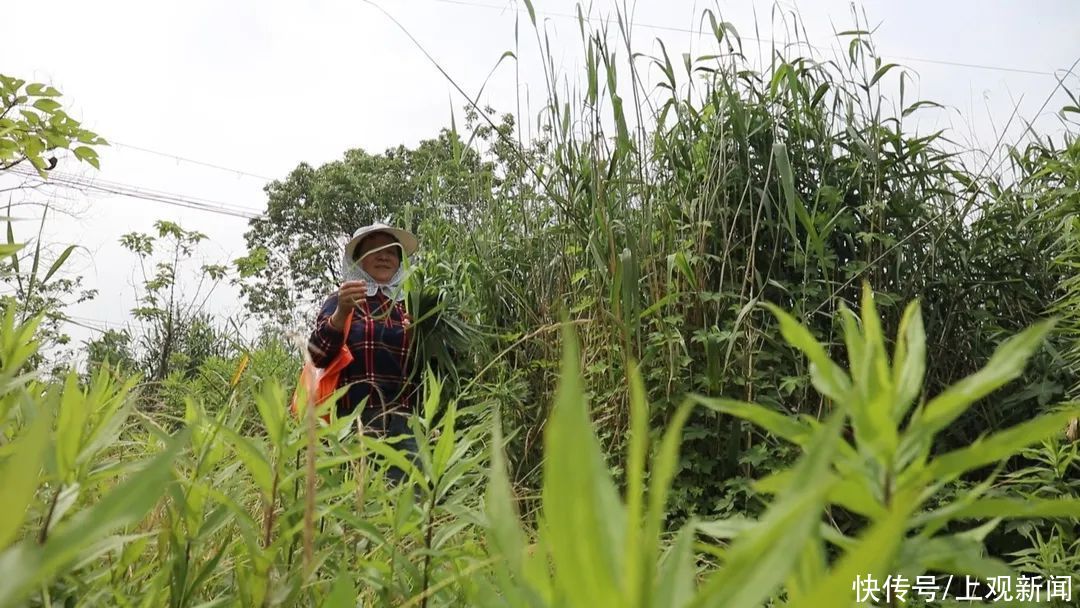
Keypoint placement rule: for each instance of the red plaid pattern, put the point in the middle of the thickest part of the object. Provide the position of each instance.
(381, 359)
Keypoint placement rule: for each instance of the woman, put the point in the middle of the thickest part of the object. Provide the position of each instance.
(372, 295)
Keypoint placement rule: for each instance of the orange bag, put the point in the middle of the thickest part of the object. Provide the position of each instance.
(320, 383)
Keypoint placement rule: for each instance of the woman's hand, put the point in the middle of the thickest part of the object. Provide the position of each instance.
(349, 295)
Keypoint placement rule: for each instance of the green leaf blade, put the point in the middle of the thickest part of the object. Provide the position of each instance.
(20, 476)
(583, 520)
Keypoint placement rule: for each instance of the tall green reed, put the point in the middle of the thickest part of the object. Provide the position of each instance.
(604, 550)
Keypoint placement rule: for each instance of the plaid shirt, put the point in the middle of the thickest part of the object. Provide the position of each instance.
(381, 360)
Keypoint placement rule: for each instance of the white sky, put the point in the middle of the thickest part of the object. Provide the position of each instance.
(261, 85)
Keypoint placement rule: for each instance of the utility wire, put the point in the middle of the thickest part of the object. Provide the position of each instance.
(137, 192)
(669, 28)
(142, 189)
(193, 161)
(173, 200)
(98, 325)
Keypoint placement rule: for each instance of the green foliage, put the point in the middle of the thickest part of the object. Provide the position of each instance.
(691, 457)
(603, 552)
(295, 249)
(98, 495)
(33, 124)
(1046, 546)
(31, 280)
(55, 437)
(246, 505)
(178, 334)
(1050, 192)
(444, 335)
(660, 227)
(791, 184)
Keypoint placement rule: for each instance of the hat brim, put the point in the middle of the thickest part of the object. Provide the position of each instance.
(409, 243)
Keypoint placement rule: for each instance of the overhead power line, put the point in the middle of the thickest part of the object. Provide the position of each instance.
(194, 162)
(88, 184)
(669, 28)
(98, 325)
(143, 189)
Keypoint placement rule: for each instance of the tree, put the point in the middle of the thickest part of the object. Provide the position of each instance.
(112, 347)
(33, 124)
(294, 251)
(175, 327)
(33, 127)
(30, 277)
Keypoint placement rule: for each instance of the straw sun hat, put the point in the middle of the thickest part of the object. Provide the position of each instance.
(407, 239)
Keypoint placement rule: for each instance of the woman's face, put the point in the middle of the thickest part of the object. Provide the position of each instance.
(383, 264)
